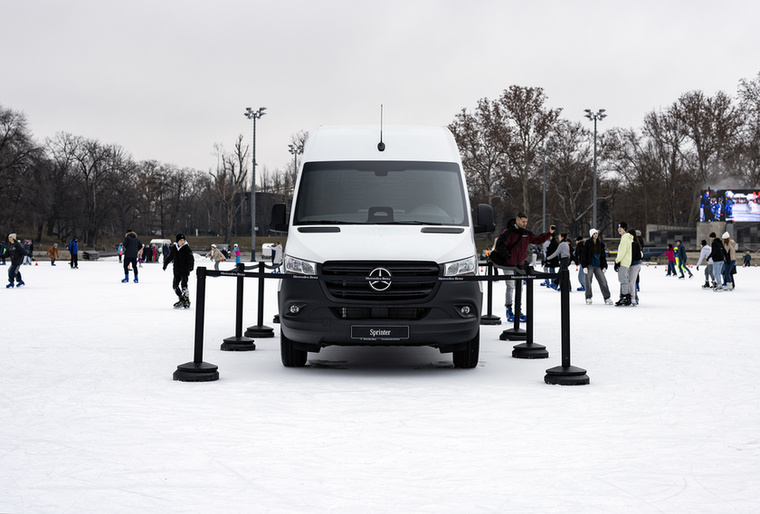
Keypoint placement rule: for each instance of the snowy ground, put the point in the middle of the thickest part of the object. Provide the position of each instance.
(91, 420)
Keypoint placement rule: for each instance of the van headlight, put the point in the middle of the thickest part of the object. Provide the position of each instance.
(468, 266)
(299, 266)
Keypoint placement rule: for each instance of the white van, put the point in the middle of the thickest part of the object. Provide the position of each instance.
(380, 236)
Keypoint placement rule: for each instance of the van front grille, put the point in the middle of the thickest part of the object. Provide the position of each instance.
(405, 289)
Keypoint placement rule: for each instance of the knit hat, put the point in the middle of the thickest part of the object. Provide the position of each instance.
(726, 235)
(712, 234)
(12, 235)
(704, 242)
(180, 236)
(623, 225)
(235, 244)
(213, 245)
(592, 232)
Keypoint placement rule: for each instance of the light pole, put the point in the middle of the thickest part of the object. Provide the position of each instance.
(545, 151)
(595, 116)
(253, 116)
(295, 149)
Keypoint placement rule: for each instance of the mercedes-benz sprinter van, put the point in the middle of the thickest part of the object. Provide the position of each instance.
(380, 245)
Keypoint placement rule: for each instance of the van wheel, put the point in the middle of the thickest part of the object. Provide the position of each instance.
(291, 358)
(468, 358)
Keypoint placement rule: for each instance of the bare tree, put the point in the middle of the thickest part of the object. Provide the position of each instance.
(524, 127)
(228, 185)
(747, 158)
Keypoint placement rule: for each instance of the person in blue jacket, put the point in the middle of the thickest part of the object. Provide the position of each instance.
(74, 252)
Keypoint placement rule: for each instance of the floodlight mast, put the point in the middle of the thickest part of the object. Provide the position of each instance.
(253, 116)
(595, 116)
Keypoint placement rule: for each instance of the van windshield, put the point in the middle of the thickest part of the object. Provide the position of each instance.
(381, 192)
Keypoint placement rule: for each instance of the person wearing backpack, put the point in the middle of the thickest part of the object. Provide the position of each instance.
(512, 245)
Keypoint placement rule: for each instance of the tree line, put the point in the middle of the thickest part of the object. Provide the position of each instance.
(512, 147)
(70, 185)
(650, 175)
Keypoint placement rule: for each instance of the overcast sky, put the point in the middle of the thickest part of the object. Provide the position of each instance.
(167, 80)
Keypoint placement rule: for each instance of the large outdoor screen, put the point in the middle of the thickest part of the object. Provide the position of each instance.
(730, 205)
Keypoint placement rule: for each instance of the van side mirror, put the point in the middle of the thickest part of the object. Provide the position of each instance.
(279, 221)
(484, 219)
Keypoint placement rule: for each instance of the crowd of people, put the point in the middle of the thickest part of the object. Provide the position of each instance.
(556, 251)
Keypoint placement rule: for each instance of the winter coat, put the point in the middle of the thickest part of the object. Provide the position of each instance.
(552, 262)
(562, 251)
(704, 255)
(215, 255)
(718, 253)
(132, 246)
(53, 252)
(671, 255)
(183, 259)
(519, 240)
(625, 250)
(681, 254)
(589, 250)
(16, 252)
(730, 248)
(74, 247)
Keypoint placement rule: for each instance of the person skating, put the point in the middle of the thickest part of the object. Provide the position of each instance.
(215, 255)
(594, 261)
(517, 238)
(53, 253)
(704, 255)
(718, 256)
(182, 257)
(74, 252)
(16, 253)
(681, 259)
(622, 264)
(132, 248)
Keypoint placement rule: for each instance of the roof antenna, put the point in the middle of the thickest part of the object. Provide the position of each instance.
(381, 145)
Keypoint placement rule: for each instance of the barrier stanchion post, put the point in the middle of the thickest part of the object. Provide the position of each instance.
(566, 374)
(490, 319)
(239, 342)
(515, 333)
(197, 370)
(529, 349)
(260, 330)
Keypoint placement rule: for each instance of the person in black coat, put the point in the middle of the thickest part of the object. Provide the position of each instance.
(132, 247)
(16, 252)
(182, 257)
(718, 256)
(592, 257)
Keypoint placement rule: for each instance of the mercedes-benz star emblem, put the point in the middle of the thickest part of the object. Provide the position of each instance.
(380, 279)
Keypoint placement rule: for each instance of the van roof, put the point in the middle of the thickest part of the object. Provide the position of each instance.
(360, 142)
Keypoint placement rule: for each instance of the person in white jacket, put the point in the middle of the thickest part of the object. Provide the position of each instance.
(704, 255)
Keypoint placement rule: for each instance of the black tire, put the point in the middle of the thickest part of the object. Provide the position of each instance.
(468, 358)
(291, 358)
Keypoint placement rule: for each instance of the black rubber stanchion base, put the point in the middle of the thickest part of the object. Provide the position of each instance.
(259, 331)
(569, 375)
(238, 344)
(530, 351)
(511, 334)
(490, 320)
(197, 372)
(276, 318)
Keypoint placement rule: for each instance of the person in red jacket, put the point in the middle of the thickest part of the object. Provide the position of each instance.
(518, 240)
